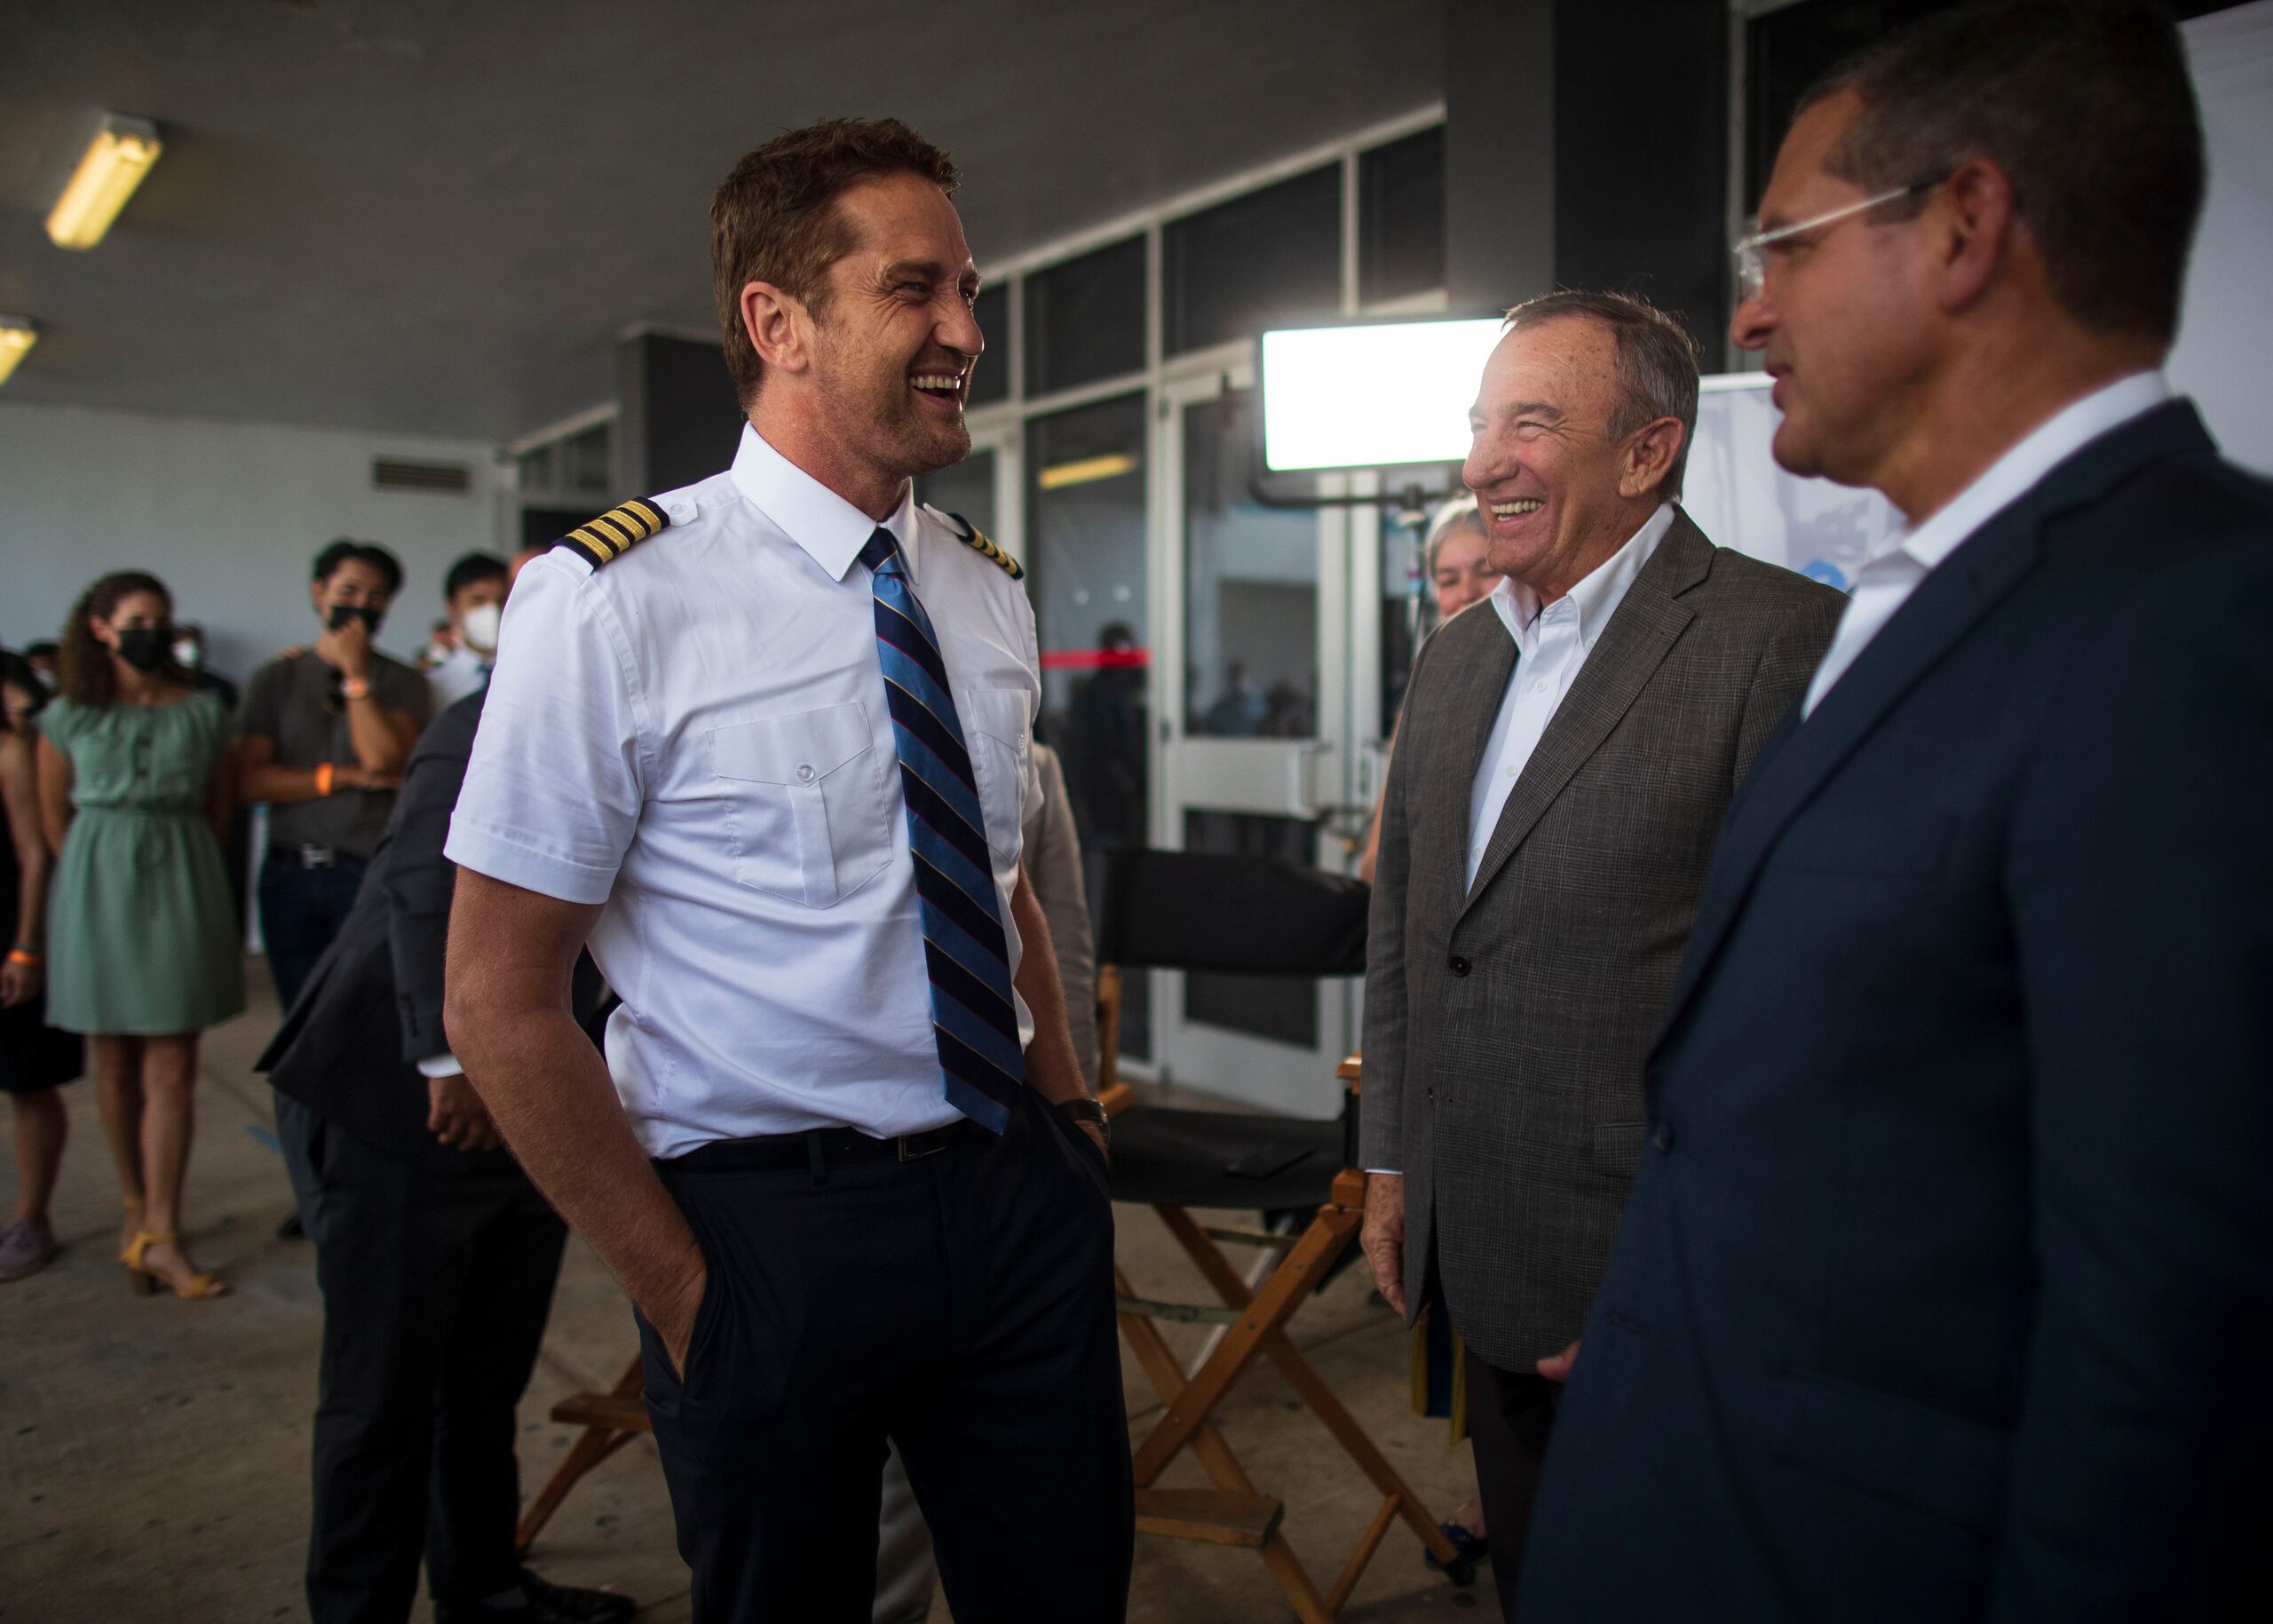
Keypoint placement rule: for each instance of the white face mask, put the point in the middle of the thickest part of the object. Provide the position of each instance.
(188, 655)
(480, 628)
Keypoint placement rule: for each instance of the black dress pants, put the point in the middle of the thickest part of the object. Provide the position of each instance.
(436, 1288)
(1509, 1416)
(959, 1304)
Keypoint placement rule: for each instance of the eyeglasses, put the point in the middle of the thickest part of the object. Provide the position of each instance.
(1752, 249)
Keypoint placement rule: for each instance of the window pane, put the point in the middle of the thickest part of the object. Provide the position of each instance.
(1401, 217)
(587, 455)
(1284, 1007)
(967, 489)
(1271, 256)
(1085, 563)
(990, 379)
(1085, 319)
(1251, 589)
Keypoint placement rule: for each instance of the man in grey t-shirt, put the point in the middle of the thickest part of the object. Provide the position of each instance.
(298, 707)
(323, 734)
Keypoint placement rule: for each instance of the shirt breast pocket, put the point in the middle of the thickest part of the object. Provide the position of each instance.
(805, 812)
(996, 723)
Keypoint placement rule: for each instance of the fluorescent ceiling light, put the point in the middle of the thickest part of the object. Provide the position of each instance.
(17, 336)
(1372, 396)
(1057, 476)
(121, 154)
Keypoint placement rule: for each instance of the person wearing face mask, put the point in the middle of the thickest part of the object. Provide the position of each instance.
(190, 653)
(324, 733)
(42, 657)
(135, 794)
(475, 593)
(35, 1059)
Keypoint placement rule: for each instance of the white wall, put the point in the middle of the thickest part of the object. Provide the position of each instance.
(2224, 355)
(229, 515)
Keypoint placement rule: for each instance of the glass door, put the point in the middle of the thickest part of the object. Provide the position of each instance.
(1257, 736)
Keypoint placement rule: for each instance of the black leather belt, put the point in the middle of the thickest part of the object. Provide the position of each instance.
(817, 1149)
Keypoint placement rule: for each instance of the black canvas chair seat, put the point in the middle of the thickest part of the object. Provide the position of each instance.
(1234, 915)
(1166, 1157)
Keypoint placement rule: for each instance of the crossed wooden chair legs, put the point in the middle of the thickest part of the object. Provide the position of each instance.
(1234, 1512)
(610, 1420)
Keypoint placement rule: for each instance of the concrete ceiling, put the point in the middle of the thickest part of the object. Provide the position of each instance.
(436, 217)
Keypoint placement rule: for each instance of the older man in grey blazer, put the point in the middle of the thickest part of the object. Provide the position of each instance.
(1567, 749)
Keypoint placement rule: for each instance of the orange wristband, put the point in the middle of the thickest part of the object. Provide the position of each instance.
(323, 779)
(22, 956)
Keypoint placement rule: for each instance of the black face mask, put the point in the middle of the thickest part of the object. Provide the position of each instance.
(146, 648)
(342, 613)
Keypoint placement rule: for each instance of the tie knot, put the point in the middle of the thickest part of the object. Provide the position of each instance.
(882, 554)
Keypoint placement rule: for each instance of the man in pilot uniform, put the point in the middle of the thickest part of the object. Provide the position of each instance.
(764, 742)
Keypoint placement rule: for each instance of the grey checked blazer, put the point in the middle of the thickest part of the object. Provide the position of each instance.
(1506, 1029)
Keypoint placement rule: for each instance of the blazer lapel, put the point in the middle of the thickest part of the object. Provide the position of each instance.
(1474, 706)
(1946, 606)
(1618, 668)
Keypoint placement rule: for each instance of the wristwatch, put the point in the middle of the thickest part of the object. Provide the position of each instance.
(1087, 1110)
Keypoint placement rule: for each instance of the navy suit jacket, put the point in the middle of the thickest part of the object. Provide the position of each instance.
(1946, 1288)
(372, 1007)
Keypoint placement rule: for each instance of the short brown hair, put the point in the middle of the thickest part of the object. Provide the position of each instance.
(1656, 363)
(2085, 105)
(774, 219)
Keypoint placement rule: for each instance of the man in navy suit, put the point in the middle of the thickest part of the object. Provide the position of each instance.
(1946, 1289)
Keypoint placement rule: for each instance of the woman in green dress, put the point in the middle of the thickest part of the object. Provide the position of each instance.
(136, 784)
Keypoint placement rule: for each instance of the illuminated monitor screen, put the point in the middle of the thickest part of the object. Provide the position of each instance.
(1371, 396)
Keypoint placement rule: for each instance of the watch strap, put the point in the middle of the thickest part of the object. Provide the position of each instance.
(1085, 1110)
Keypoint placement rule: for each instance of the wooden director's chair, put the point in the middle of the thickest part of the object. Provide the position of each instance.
(1192, 911)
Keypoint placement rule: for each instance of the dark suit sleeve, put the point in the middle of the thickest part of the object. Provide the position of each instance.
(2141, 898)
(420, 881)
(1787, 666)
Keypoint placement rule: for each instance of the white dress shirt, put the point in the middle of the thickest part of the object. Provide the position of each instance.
(695, 737)
(1884, 584)
(1552, 644)
(458, 673)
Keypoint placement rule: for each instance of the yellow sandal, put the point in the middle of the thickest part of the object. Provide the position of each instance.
(201, 1285)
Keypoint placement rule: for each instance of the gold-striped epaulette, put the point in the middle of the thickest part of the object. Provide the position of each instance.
(616, 532)
(983, 544)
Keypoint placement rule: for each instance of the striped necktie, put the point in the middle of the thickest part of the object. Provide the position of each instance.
(973, 1020)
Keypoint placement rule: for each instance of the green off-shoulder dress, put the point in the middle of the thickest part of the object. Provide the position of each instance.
(141, 936)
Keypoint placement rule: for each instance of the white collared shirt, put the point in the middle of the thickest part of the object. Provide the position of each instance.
(695, 736)
(458, 673)
(1551, 644)
(1884, 584)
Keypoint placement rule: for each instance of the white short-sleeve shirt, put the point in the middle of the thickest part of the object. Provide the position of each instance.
(696, 735)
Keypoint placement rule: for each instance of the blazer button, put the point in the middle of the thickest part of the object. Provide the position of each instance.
(1457, 965)
(1663, 1138)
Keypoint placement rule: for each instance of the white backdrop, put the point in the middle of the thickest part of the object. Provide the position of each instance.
(2224, 357)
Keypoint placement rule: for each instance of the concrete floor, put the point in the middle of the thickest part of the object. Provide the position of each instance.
(154, 1454)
